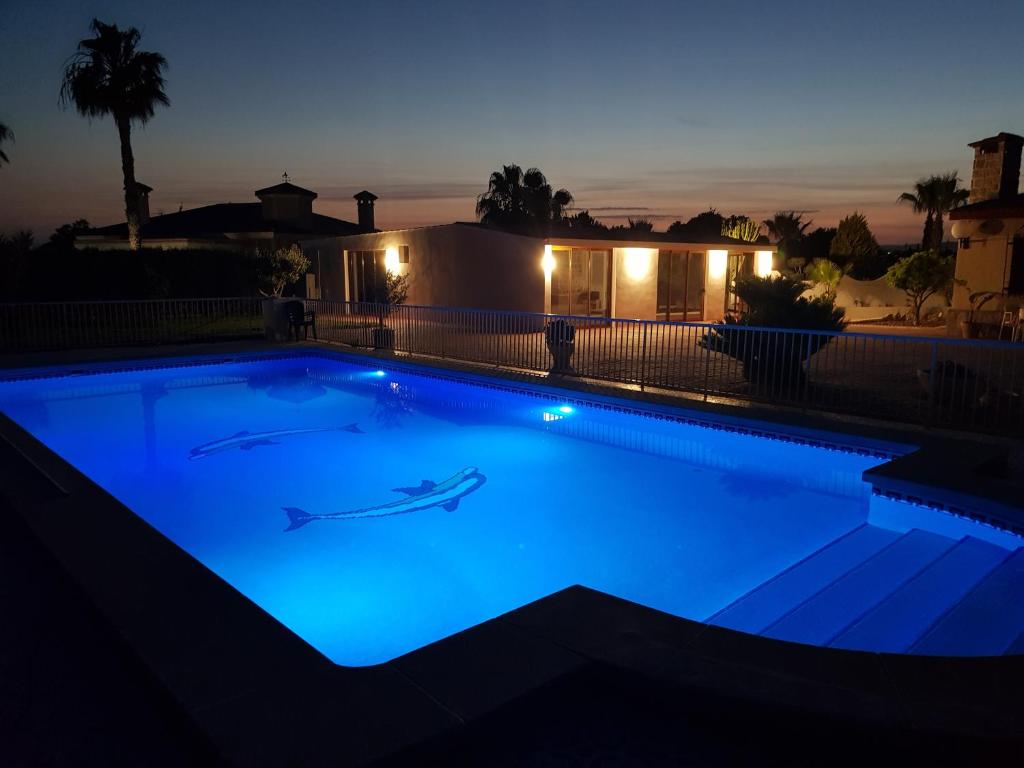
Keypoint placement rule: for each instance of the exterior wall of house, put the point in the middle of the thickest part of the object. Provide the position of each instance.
(985, 265)
(452, 265)
(458, 265)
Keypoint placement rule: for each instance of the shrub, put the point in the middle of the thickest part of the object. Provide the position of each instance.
(827, 273)
(772, 303)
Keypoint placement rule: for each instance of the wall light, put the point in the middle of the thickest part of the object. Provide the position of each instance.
(717, 263)
(763, 263)
(547, 262)
(391, 258)
(637, 263)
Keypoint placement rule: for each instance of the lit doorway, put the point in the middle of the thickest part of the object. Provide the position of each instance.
(581, 282)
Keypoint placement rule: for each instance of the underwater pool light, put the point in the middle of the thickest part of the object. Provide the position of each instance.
(379, 373)
(565, 409)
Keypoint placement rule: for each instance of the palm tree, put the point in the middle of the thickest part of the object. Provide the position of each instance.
(108, 76)
(6, 134)
(935, 197)
(948, 195)
(787, 228)
(521, 201)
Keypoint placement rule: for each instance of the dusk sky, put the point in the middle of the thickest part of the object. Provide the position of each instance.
(642, 108)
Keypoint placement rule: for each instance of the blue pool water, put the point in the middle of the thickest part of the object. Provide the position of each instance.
(375, 511)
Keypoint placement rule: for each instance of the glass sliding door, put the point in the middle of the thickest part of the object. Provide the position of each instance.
(366, 273)
(740, 265)
(561, 285)
(680, 285)
(581, 282)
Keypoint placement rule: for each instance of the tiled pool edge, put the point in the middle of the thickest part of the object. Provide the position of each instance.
(274, 698)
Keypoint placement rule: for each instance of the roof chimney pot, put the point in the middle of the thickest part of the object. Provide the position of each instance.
(364, 206)
(996, 172)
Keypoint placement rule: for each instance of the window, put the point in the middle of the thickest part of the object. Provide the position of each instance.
(403, 254)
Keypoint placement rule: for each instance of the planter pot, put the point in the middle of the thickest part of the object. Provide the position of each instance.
(561, 354)
(275, 319)
(383, 338)
(968, 329)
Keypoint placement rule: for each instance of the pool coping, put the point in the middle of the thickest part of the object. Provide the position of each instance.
(273, 699)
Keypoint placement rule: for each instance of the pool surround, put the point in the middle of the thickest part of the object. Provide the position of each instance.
(271, 698)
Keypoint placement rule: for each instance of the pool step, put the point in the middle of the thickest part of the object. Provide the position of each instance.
(900, 619)
(1017, 646)
(842, 602)
(767, 603)
(987, 621)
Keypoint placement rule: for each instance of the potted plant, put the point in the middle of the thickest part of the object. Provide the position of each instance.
(274, 271)
(970, 327)
(560, 336)
(396, 288)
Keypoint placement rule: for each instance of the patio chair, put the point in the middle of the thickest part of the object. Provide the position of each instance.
(299, 318)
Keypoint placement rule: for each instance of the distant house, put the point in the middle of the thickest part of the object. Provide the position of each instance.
(637, 275)
(990, 228)
(283, 215)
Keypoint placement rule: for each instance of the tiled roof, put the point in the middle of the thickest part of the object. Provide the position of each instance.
(1005, 207)
(285, 188)
(212, 221)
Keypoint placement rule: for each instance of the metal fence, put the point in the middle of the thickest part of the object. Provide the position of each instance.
(954, 383)
(86, 324)
(974, 385)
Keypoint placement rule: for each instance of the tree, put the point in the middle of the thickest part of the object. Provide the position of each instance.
(817, 244)
(704, 225)
(64, 235)
(582, 221)
(522, 202)
(935, 196)
(15, 254)
(787, 229)
(741, 228)
(640, 224)
(771, 359)
(6, 134)
(921, 275)
(107, 75)
(854, 245)
(276, 269)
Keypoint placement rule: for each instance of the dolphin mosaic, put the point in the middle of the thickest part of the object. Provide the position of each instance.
(246, 441)
(447, 494)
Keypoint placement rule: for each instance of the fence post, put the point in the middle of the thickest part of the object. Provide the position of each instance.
(707, 360)
(929, 419)
(643, 357)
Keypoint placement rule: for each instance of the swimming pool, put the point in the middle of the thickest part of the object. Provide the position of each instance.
(373, 511)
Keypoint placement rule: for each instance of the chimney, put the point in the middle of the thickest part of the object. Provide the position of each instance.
(364, 205)
(287, 204)
(996, 172)
(142, 201)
